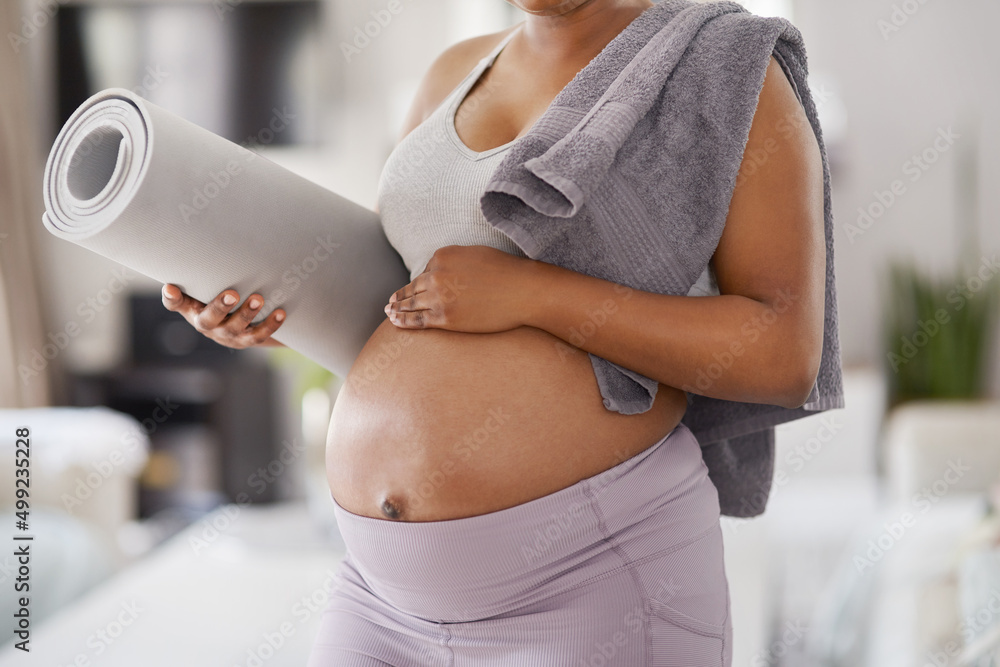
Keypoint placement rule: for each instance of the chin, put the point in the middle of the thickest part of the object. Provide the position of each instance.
(547, 7)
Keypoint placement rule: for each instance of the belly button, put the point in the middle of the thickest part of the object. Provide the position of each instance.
(390, 509)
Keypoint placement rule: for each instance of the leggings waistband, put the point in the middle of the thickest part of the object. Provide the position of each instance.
(481, 566)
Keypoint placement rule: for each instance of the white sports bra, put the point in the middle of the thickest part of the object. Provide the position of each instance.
(429, 190)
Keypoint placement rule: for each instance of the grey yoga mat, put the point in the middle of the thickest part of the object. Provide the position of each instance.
(150, 190)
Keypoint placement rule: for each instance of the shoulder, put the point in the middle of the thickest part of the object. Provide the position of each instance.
(779, 116)
(446, 72)
(776, 92)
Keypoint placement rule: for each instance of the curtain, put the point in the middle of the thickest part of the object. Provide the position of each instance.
(24, 372)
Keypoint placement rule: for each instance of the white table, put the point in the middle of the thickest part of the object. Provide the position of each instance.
(258, 582)
(915, 606)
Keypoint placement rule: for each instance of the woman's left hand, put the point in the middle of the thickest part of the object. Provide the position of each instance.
(473, 289)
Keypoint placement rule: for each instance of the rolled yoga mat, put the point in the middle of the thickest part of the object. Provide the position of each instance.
(168, 199)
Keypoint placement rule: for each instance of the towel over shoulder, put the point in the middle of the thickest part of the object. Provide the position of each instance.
(628, 176)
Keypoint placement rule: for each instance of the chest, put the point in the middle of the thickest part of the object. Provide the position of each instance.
(505, 102)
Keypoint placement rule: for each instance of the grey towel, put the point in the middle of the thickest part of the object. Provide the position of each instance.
(628, 176)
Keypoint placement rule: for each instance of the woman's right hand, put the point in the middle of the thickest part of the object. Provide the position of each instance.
(214, 319)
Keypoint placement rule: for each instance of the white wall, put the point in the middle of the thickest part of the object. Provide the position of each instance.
(939, 70)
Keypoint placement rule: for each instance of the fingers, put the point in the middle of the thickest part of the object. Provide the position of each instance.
(412, 312)
(177, 301)
(417, 301)
(242, 318)
(238, 329)
(409, 290)
(411, 307)
(215, 320)
(215, 311)
(415, 319)
(261, 332)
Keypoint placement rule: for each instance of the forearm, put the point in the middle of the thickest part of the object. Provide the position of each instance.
(729, 347)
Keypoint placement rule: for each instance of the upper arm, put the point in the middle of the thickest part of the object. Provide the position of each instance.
(772, 248)
(446, 72)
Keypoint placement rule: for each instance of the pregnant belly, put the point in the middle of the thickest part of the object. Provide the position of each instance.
(433, 425)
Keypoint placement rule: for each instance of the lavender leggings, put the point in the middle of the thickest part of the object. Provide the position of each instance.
(623, 568)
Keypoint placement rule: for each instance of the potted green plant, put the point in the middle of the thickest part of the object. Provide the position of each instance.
(938, 332)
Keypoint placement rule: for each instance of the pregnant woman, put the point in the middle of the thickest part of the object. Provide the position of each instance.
(495, 511)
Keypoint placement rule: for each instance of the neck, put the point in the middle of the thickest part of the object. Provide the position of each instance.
(577, 28)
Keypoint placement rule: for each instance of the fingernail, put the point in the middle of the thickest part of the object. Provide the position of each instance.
(280, 317)
(167, 294)
(255, 303)
(229, 299)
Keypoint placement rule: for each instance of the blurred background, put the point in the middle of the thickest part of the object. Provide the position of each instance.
(180, 505)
